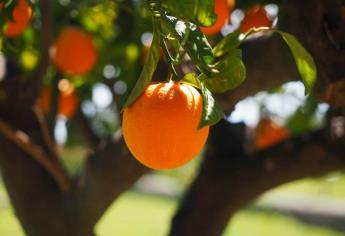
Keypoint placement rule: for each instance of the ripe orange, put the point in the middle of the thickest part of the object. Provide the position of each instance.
(67, 102)
(22, 14)
(73, 52)
(160, 127)
(222, 9)
(256, 16)
(269, 133)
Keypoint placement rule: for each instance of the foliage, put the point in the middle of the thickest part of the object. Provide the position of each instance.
(218, 74)
(176, 30)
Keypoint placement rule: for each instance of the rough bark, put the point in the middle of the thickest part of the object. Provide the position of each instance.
(230, 178)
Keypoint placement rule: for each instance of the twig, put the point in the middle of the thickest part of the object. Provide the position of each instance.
(46, 135)
(23, 141)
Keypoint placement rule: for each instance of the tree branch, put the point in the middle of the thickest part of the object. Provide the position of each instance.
(269, 64)
(24, 142)
(107, 173)
(230, 179)
(46, 135)
(319, 27)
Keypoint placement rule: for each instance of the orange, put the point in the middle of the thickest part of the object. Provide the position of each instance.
(222, 9)
(160, 127)
(67, 102)
(269, 133)
(22, 14)
(231, 4)
(256, 16)
(73, 52)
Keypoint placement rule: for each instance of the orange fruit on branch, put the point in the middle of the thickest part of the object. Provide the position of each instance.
(160, 127)
(22, 14)
(74, 52)
(222, 10)
(256, 16)
(268, 133)
(68, 100)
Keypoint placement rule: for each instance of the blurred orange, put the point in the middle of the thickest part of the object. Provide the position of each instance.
(74, 52)
(22, 14)
(222, 9)
(68, 100)
(256, 16)
(268, 133)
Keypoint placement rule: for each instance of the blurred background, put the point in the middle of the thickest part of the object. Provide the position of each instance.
(308, 207)
(313, 206)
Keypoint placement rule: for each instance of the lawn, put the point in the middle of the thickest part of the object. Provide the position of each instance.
(145, 215)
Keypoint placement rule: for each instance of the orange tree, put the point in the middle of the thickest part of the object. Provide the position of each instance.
(222, 69)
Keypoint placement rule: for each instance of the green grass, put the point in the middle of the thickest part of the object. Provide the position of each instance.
(135, 214)
(138, 214)
(329, 186)
(9, 225)
(248, 223)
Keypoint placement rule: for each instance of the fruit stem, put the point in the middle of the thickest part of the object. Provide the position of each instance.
(169, 59)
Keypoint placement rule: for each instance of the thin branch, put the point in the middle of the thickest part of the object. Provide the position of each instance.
(46, 135)
(24, 142)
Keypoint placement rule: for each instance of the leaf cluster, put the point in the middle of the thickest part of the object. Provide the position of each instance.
(219, 68)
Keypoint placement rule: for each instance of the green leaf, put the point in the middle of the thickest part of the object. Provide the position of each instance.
(191, 79)
(304, 61)
(231, 73)
(211, 112)
(196, 44)
(199, 12)
(147, 72)
(227, 44)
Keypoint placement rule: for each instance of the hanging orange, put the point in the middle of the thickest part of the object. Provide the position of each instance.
(222, 9)
(160, 127)
(74, 52)
(67, 101)
(22, 14)
(256, 17)
(269, 133)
